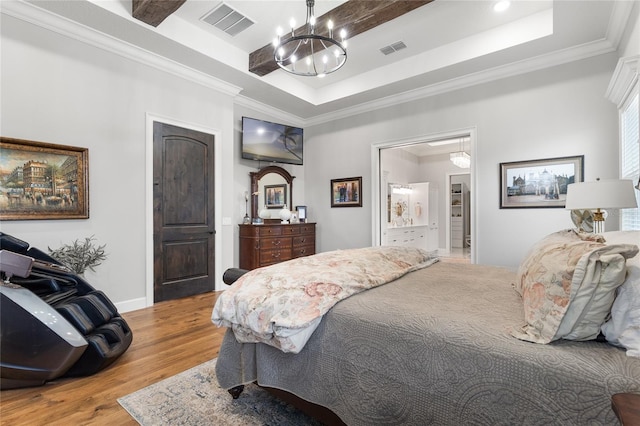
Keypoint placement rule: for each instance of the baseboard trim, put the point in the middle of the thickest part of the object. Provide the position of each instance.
(131, 305)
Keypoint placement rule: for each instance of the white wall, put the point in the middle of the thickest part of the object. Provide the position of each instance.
(630, 43)
(59, 90)
(554, 112)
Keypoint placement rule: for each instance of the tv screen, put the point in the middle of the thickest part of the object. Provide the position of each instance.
(266, 141)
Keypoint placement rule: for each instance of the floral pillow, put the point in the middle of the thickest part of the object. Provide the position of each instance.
(537, 250)
(623, 327)
(568, 285)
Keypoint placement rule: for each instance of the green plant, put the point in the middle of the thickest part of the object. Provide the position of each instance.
(80, 255)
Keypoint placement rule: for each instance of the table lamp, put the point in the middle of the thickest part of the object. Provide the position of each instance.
(598, 195)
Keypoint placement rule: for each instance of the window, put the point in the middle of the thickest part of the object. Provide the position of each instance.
(630, 154)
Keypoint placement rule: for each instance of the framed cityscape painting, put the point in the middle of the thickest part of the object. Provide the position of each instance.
(43, 181)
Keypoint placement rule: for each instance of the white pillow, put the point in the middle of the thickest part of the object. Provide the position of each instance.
(623, 328)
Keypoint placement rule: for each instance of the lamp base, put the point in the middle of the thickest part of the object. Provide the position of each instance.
(246, 220)
(598, 221)
(598, 226)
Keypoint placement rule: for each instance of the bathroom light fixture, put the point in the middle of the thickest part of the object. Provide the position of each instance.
(310, 54)
(461, 158)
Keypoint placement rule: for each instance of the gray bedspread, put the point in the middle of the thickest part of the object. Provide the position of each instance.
(433, 348)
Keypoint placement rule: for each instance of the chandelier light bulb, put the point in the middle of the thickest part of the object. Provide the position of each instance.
(308, 45)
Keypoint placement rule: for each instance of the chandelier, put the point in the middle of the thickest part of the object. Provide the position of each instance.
(460, 158)
(310, 54)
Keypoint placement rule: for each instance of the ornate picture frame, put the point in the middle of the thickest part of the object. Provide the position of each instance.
(41, 180)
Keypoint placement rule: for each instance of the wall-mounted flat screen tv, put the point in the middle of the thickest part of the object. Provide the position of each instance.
(266, 141)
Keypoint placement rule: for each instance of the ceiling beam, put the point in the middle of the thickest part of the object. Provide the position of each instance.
(355, 16)
(153, 12)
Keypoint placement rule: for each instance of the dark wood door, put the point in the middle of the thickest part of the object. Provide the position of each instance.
(183, 212)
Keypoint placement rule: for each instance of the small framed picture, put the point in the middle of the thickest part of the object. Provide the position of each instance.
(302, 213)
(346, 192)
(539, 183)
(275, 196)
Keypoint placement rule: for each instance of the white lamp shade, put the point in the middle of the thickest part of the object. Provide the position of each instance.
(601, 194)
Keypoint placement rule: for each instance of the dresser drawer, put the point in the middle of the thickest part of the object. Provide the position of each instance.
(301, 251)
(266, 231)
(269, 257)
(275, 243)
(307, 229)
(290, 230)
(304, 240)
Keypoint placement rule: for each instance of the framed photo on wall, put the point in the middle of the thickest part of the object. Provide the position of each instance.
(275, 196)
(539, 183)
(43, 181)
(346, 192)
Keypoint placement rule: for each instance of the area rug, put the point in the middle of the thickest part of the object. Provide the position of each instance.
(193, 397)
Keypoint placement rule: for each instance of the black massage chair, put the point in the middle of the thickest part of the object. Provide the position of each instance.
(53, 323)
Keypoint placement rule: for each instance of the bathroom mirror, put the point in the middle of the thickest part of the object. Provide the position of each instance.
(270, 175)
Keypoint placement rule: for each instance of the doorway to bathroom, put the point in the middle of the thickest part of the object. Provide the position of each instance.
(415, 203)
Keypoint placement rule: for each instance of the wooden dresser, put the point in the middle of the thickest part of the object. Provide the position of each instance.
(263, 245)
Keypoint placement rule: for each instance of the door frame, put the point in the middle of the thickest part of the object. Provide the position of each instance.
(447, 179)
(217, 151)
(376, 180)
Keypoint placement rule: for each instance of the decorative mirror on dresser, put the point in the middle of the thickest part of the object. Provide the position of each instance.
(270, 176)
(273, 242)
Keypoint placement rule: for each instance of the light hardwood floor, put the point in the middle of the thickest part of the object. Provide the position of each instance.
(168, 338)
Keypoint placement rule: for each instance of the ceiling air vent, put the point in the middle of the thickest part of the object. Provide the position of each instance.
(387, 50)
(228, 20)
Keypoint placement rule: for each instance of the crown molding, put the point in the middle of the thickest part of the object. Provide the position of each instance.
(263, 108)
(560, 57)
(625, 76)
(48, 20)
(37, 16)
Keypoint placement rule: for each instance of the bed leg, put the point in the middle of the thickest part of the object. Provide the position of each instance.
(236, 391)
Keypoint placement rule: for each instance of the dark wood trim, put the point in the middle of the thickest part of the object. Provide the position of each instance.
(255, 179)
(153, 12)
(355, 16)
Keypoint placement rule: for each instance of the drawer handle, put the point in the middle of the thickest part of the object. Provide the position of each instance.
(277, 242)
(302, 240)
(275, 255)
(303, 251)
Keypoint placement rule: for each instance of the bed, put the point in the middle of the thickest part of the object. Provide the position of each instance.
(437, 346)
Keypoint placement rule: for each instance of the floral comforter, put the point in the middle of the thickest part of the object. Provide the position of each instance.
(281, 305)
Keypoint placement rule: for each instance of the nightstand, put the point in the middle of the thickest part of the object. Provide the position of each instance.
(627, 408)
